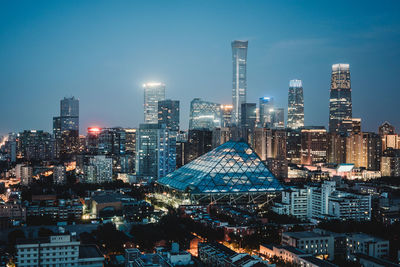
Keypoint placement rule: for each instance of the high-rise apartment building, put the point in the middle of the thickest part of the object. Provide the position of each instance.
(99, 169)
(204, 115)
(153, 92)
(295, 118)
(26, 175)
(239, 81)
(364, 150)
(340, 105)
(35, 145)
(168, 114)
(59, 174)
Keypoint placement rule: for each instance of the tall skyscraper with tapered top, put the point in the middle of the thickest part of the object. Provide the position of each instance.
(340, 105)
(239, 81)
(153, 92)
(295, 117)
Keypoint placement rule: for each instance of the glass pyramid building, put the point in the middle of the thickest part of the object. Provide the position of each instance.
(231, 171)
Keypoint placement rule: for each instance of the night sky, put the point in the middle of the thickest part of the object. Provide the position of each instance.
(103, 51)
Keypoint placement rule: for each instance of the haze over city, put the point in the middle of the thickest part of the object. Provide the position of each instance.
(102, 54)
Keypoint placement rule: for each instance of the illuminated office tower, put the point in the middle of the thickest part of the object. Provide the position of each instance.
(204, 115)
(153, 92)
(69, 113)
(295, 118)
(153, 151)
(66, 129)
(278, 118)
(314, 145)
(226, 115)
(168, 114)
(266, 111)
(248, 116)
(239, 81)
(340, 106)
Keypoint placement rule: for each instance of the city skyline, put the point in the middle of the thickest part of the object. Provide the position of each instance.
(116, 98)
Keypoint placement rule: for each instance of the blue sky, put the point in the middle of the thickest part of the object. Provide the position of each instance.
(103, 51)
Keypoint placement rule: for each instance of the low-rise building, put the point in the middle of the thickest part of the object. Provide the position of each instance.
(367, 244)
(316, 244)
(349, 206)
(13, 211)
(294, 203)
(57, 250)
(215, 254)
(57, 209)
(293, 256)
(324, 202)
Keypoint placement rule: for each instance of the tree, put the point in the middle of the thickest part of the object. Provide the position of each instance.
(13, 236)
(45, 232)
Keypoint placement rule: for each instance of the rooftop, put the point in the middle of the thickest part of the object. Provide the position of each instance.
(89, 251)
(318, 262)
(233, 167)
(305, 234)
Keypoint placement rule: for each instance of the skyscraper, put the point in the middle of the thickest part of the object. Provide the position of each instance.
(278, 118)
(204, 115)
(266, 111)
(154, 151)
(69, 113)
(168, 114)
(248, 116)
(226, 115)
(239, 81)
(153, 92)
(340, 106)
(295, 118)
(66, 128)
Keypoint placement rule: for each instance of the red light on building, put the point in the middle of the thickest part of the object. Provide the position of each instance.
(94, 130)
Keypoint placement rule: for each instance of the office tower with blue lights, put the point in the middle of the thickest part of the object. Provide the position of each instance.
(295, 117)
(204, 115)
(153, 92)
(168, 114)
(239, 81)
(153, 158)
(340, 105)
(266, 111)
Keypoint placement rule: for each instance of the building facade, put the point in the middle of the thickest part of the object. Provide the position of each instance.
(239, 79)
(314, 145)
(266, 111)
(340, 105)
(204, 115)
(153, 152)
(168, 114)
(295, 117)
(153, 92)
